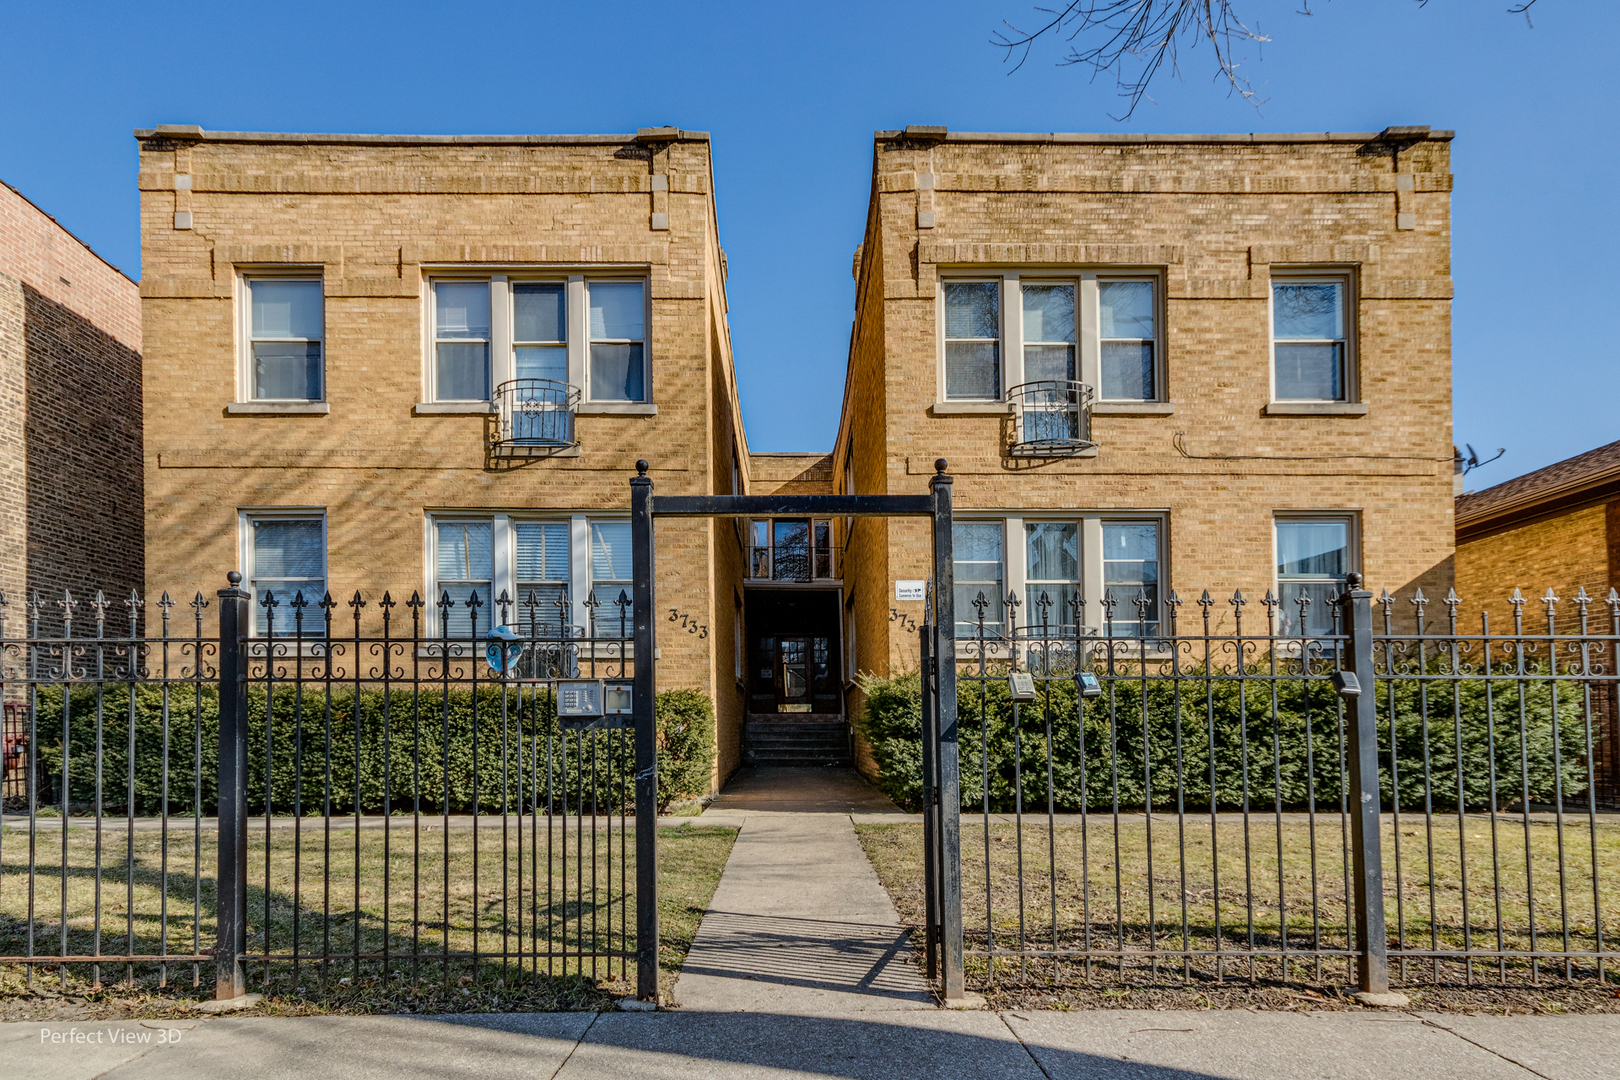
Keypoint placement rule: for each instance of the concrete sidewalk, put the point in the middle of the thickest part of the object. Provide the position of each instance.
(919, 1045)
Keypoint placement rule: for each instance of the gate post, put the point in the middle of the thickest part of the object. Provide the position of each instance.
(234, 612)
(644, 702)
(1366, 839)
(949, 777)
(930, 780)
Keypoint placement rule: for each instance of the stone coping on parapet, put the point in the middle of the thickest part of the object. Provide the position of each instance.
(193, 132)
(1257, 138)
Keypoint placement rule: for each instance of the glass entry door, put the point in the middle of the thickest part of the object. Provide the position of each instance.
(793, 674)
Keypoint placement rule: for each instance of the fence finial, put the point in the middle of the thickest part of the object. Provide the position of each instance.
(641, 467)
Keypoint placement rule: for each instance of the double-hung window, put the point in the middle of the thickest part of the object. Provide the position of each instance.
(461, 340)
(464, 565)
(286, 319)
(980, 570)
(1051, 574)
(1130, 567)
(540, 330)
(1310, 343)
(1314, 554)
(1015, 330)
(540, 567)
(611, 578)
(618, 339)
(286, 557)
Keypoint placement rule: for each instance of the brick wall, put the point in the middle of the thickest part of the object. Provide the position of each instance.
(70, 434)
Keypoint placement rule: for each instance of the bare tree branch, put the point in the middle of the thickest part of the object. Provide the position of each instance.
(1135, 39)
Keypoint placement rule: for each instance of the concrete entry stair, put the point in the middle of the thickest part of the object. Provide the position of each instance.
(800, 924)
(796, 739)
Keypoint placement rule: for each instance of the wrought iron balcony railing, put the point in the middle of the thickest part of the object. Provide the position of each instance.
(536, 415)
(1051, 418)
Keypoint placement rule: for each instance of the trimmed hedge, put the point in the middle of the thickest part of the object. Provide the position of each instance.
(1132, 729)
(461, 750)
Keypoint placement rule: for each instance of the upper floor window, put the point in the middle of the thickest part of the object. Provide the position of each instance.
(285, 556)
(576, 332)
(1314, 554)
(790, 549)
(1013, 329)
(286, 335)
(1310, 341)
(618, 321)
(461, 341)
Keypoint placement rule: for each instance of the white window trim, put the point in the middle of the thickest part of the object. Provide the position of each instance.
(503, 540)
(245, 517)
(1340, 515)
(1088, 361)
(1015, 556)
(502, 355)
(1301, 275)
(245, 276)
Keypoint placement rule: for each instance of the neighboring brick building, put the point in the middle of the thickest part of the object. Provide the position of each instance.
(70, 421)
(1263, 320)
(1557, 528)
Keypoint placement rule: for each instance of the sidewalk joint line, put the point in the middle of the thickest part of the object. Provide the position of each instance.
(1487, 1049)
(577, 1044)
(1010, 1030)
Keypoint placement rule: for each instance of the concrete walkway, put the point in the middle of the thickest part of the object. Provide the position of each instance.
(799, 924)
(923, 1045)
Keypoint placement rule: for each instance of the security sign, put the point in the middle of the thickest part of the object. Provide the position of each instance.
(910, 590)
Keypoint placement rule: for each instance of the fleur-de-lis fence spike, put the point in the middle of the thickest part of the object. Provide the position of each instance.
(1388, 601)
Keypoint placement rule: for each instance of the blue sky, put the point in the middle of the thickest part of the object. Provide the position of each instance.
(792, 94)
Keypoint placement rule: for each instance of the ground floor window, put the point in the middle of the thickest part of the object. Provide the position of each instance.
(1043, 573)
(555, 573)
(284, 557)
(1314, 554)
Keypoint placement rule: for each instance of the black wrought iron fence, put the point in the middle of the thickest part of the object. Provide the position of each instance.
(365, 789)
(1213, 796)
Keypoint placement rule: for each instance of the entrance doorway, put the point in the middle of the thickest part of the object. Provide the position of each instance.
(794, 651)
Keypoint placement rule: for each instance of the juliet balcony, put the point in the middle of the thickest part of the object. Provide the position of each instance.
(535, 417)
(1051, 418)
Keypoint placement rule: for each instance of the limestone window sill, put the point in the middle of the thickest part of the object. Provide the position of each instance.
(277, 408)
(971, 408)
(1317, 408)
(454, 408)
(616, 408)
(1133, 408)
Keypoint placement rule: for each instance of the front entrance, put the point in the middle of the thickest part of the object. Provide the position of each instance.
(794, 652)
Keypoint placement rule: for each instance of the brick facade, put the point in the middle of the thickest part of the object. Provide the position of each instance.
(70, 426)
(1212, 219)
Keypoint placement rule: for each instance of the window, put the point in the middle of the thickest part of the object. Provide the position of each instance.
(1313, 556)
(540, 569)
(1131, 573)
(618, 365)
(612, 574)
(286, 556)
(461, 341)
(979, 570)
(790, 549)
(1052, 336)
(464, 561)
(973, 340)
(540, 331)
(1052, 574)
(1309, 341)
(1125, 332)
(286, 333)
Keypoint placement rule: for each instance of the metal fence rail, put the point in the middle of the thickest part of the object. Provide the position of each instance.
(1218, 797)
(348, 792)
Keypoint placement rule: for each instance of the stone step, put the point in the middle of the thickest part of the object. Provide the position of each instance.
(805, 740)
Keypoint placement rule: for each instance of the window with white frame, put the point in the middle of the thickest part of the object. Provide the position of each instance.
(1310, 342)
(286, 335)
(1093, 328)
(1314, 554)
(548, 568)
(1060, 568)
(461, 341)
(579, 331)
(285, 557)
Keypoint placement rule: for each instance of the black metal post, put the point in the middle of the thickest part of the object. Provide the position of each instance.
(643, 699)
(930, 768)
(950, 781)
(1366, 840)
(234, 613)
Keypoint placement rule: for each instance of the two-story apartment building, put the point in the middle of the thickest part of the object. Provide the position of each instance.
(1154, 363)
(428, 364)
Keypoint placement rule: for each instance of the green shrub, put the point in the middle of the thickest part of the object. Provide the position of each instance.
(685, 745)
(437, 750)
(1231, 741)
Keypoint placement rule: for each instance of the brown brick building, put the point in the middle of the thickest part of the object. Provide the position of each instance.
(70, 420)
(1152, 361)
